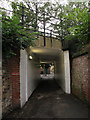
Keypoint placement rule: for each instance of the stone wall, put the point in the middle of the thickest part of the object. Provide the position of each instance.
(55, 42)
(6, 89)
(80, 77)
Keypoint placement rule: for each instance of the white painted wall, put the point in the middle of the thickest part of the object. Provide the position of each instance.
(59, 73)
(67, 72)
(62, 74)
(32, 76)
(29, 76)
(23, 77)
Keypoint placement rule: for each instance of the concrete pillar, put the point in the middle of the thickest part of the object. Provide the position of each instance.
(67, 72)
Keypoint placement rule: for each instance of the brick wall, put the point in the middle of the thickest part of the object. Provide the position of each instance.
(80, 77)
(14, 67)
(11, 84)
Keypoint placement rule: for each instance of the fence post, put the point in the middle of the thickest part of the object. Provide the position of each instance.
(51, 38)
(22, 15)
(36, 16)
(44, 28)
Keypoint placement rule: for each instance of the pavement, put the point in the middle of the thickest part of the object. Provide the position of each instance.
(47, 76)
(49, 101)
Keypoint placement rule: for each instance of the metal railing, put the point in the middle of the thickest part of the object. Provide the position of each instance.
(43, 32)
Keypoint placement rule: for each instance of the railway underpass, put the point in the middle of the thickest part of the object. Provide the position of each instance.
(47, 96)
(30, 69)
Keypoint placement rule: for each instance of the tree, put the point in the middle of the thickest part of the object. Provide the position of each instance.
(69, 22)
(14, 35)
(73, 23)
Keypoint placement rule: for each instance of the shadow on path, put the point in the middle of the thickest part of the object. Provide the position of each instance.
(49, 101)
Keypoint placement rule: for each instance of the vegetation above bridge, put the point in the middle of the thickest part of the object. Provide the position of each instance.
(30, 19)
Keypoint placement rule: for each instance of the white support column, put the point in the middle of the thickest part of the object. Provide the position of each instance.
(23, 77)
(67, 72)
(26, 78)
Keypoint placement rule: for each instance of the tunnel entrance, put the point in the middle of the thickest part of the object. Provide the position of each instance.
(33, 60)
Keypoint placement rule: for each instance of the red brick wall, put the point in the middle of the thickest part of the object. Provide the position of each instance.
(80, 77)
(14, 68)
(10, 84)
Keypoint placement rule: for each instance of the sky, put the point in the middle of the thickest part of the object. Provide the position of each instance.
(6, 4)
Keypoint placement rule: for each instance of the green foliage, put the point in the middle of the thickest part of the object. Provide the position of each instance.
(73, 24)
(29, 15)
(78, 28)
(15, 36)
(70, 24)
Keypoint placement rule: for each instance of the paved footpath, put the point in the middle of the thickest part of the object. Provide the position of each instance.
(49, 101)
